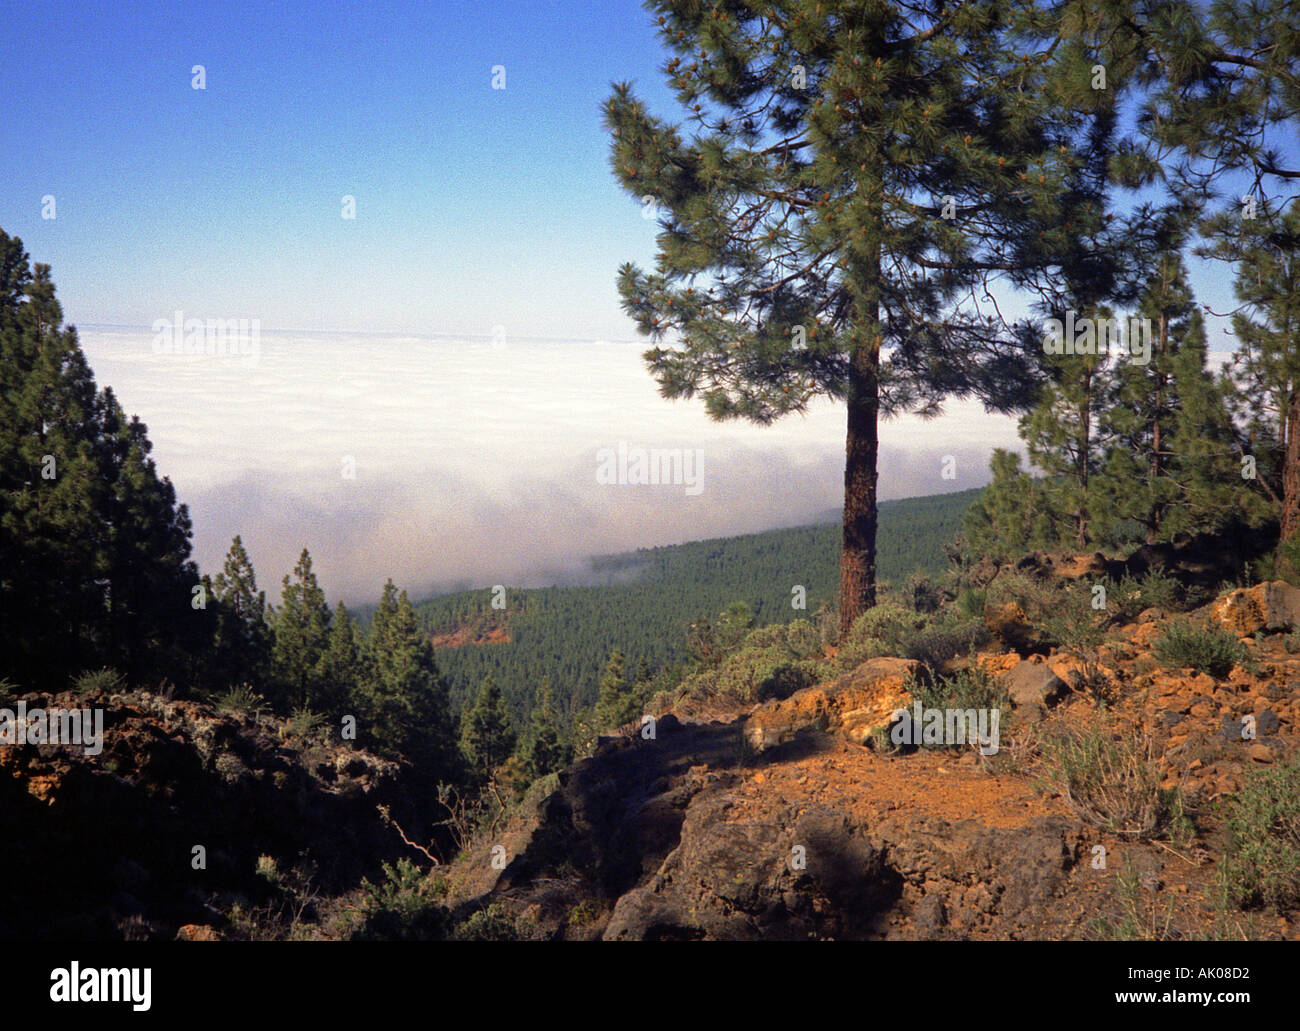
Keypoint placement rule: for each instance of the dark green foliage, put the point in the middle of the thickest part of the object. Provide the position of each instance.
(94, 549)
(893, 630)
(805, 254)
(654, 595)
(404, 906)
(618, 702)
(771, 662)
(341, 670)
(301, 629)
(405, 706)
(242, 646)
(486, 737)
(1210, 649)
(541, 748)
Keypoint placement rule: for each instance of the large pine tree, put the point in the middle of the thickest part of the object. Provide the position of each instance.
(859, 172)
(407, 711)
(301, 626)
(487, 738)
(1225, 102)
(94, 549)
(1170, 464)
(1266, 365)
(243, 636)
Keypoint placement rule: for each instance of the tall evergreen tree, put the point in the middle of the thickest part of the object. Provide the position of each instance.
(94, 550)
(858, 171)
(1011, 515)
(301, 626)
(342, 670)
(1062, 438)
(407, 710)
(1266, 366)
(487, 738)
(1170, 458)
(617, 703)
(1224, 100)
(542, 747)
(146, 541)
(243, 636)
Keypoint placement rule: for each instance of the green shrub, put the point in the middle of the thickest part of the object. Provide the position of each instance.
(966, 689)
(1210, 650)
(94, 681)
(303, 723)
(772, 661)
(1262, 860)
(892, 630)
(403, 907)
(240, 698)
(972, 602)
(487, 925)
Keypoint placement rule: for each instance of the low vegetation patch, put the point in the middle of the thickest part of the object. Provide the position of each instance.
(1262, 860)
(1212, 650)
(770, 662)
(1111, 782)
(929, 637)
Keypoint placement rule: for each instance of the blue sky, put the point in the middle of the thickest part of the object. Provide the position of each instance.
(476, 207)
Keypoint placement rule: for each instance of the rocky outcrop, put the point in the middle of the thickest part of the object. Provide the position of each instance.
(855, 705)
(1033, 684)
(684, 836)
(1271, 606)
(747, 879)
(114, 834)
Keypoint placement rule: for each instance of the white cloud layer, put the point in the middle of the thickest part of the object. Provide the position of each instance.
(476, 463)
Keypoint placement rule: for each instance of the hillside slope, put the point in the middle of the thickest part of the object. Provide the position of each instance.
(650, 596)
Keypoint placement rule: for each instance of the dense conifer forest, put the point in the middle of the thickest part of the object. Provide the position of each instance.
(563, 635)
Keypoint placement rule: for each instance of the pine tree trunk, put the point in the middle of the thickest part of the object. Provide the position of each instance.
(1085, 439)
(858, 556)
(1291, 469)
(1156, 513)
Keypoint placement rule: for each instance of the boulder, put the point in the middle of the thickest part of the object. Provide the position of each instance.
(1274, 605)
(1032, 683)
(855, 704)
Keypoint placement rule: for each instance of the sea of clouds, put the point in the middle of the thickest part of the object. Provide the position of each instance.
(473, 461)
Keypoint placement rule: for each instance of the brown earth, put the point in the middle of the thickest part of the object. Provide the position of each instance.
(468, 634)
(778, 822)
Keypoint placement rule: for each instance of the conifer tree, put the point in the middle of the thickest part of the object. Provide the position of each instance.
(406, 700)
(146, 544)
(301, 627)
(1011, 516)
(617, 703)
(94, 550)
(1170, 458)
(342, 671)
(541, 747)
(243, 636)
(858, 171)
(1265, 368)
(1061, 435)
(1225, 100)
(487, 738)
